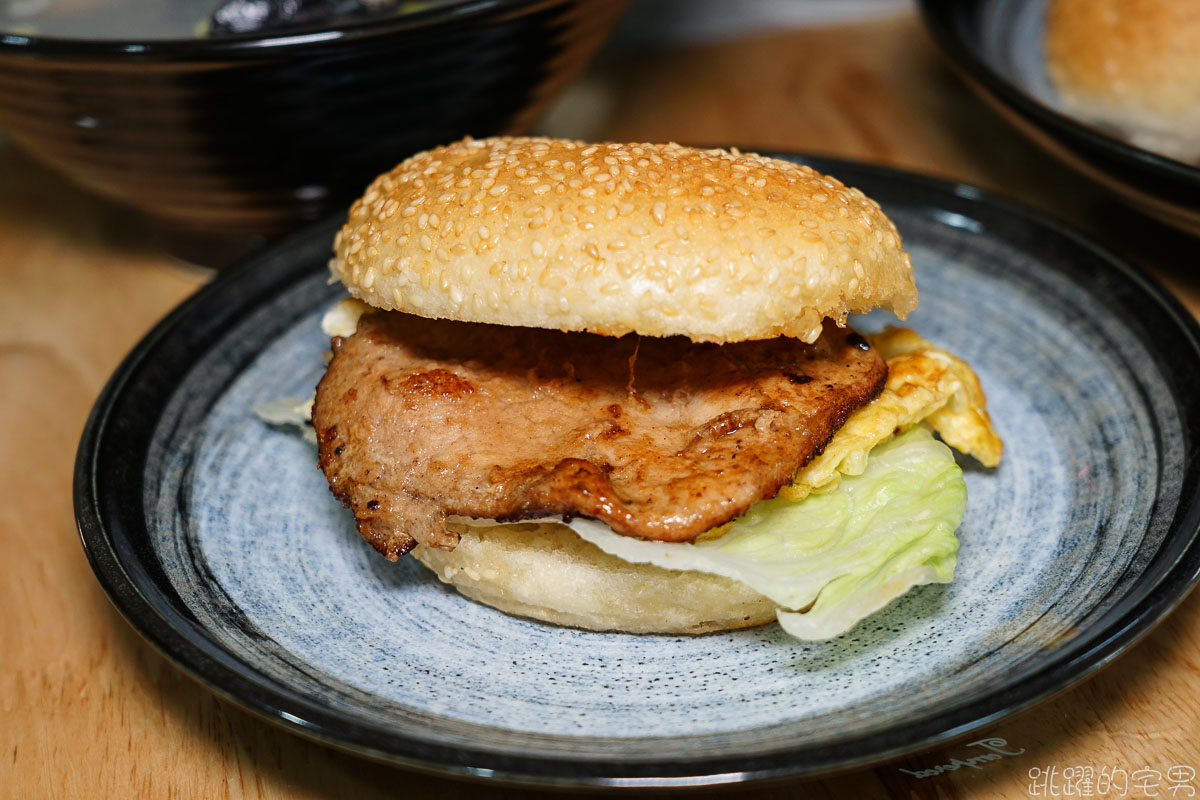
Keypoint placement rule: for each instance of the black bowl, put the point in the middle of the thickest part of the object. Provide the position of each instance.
(997, 45)
(252, 134)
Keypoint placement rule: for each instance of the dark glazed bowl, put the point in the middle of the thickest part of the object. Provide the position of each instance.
(997, 45)
(253, 134)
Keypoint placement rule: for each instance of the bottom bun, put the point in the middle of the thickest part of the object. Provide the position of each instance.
(547, 572)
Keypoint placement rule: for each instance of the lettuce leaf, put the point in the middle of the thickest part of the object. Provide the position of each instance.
(831, 559)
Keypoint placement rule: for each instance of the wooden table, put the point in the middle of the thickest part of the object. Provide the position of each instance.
(89, 710)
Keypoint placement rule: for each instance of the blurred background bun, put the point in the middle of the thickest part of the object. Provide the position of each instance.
(1132, 65)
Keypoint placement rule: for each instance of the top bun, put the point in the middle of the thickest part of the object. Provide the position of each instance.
(1133, 65)
(619, 238)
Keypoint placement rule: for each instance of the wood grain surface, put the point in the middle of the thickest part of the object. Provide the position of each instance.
(89, 710)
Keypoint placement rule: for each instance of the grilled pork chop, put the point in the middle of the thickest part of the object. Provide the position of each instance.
(662, 439)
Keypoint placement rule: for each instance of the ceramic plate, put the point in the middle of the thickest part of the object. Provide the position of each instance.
(998, 47)
(218, 539)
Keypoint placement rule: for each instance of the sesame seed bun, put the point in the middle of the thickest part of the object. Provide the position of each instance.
(1133, 65)
(620, 238)
(546, 572)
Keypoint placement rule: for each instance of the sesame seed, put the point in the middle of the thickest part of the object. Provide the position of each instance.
(441, 191)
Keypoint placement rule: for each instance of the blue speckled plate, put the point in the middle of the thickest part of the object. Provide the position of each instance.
(218, 539)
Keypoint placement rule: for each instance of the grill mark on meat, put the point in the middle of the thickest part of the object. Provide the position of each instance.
(420, 419)
(419, 385)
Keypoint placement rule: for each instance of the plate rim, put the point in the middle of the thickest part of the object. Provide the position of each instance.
(942, 727)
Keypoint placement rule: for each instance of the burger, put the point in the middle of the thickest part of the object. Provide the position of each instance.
(611, 386)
